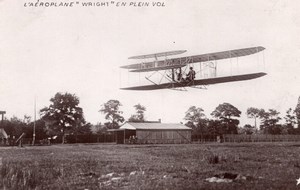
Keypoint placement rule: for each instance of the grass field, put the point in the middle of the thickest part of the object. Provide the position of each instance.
(184, 166)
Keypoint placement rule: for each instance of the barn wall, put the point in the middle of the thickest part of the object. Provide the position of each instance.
(120, 137)
(163, 136)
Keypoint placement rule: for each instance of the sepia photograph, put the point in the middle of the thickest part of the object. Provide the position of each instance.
(149, 94)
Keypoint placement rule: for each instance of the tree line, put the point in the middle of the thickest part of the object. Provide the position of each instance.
(225, 120)
(64, 117)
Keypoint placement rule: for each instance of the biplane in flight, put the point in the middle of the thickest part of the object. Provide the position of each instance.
(175, 69)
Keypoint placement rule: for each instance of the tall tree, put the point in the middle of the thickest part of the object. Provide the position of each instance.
(63, 113)
(290, 121)
(270, 121)
(226, 110)
(194, 115)
(226, 113)
(253, 113)
(112, 113)
(140, 114)
(196, 119)
(297, 112)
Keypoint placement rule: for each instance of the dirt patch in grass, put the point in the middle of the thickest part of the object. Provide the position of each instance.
(187, 166)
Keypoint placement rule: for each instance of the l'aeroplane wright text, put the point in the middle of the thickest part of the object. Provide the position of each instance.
(94, 4)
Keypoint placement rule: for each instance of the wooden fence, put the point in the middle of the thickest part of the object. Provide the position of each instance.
(245, 138)
(70, 139)
(260, 138)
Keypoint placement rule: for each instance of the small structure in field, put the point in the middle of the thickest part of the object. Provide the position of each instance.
(153, 132)
(3, 135)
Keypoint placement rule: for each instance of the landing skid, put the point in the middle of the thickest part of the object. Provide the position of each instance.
(202, 87)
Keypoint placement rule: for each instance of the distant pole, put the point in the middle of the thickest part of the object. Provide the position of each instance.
(34, 122)
(2, 117)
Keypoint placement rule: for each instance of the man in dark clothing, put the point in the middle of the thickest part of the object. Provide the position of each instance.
(191, 75)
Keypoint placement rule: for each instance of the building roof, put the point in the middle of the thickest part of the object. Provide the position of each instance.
(154, 126)
(3, 133)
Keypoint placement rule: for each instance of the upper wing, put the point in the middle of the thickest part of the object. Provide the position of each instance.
(198, 82)
(227, 54)
(155, 55)
(182, 61)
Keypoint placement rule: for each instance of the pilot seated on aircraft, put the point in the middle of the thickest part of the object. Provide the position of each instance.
(191, 75)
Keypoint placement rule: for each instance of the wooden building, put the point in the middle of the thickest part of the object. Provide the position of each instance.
(153, 132)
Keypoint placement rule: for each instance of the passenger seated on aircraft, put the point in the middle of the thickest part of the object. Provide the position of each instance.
(179, 76)
(191, 75)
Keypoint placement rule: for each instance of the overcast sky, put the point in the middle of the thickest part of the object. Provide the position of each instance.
(80, 49)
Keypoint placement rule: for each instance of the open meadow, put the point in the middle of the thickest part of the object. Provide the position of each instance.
(182, 166)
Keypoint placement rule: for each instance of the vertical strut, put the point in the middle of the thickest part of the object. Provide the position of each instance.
(216, 68)
(230, 63)
(264, 60)
(173, 75)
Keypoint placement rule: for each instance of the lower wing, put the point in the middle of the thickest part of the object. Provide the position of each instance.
(207, 81)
